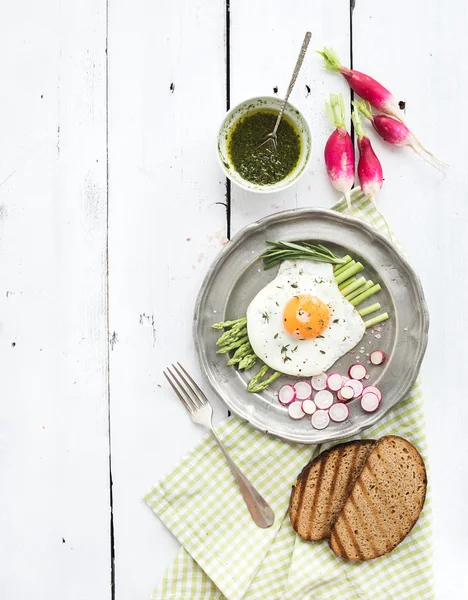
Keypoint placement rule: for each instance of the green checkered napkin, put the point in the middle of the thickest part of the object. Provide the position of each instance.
(224, 555)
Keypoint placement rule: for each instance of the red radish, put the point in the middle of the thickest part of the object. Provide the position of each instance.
(295, 410)
(339, 151)
(303, 390)
(338, 412)
(347, 393)
(344, 379)
(371, 389)
(369, 402)
(323, 399)
(339, 396)
(377, 357)
(357, 371)
(287, 394)
(308, 406)
(319, 382)
(356, 385)
(369, 168)
(320, 419)
(334, 382)
(365, 86)
(395, 132)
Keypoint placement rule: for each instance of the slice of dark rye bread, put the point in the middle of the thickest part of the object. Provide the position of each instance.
(384, 504)
(323, 487)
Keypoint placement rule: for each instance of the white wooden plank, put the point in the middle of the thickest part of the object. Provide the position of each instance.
(167, 98)
(417, 57)
(54, 500)
(263, 58)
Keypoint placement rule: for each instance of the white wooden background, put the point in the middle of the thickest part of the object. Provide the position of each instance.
(112, 207)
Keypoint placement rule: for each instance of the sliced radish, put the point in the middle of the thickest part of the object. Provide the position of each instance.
(319, 382)
(347, 393)
(334, 382)
(308, 406)
(339, 396)
(370, 402)
(377, 357)
(357, 371)
(338, 412)
(344, 379)
(371, 389)
(323, 399)
(287, 394)
(320, 419)
(357, 387)
(295, 410)
(303, 390)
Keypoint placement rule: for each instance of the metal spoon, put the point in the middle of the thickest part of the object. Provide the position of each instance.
(272, 137)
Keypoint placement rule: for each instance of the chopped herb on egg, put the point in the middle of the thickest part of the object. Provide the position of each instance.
(322, 352)
(294, 285)
(284, 348)
(276, 335)
(335, 320)
(266, 317)
(294, 349)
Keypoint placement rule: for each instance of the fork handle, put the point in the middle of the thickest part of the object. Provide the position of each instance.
(259, 509)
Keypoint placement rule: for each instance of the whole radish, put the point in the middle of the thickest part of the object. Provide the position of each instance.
(365, 86)
(339, 151)
(394, 132)
(369, 169)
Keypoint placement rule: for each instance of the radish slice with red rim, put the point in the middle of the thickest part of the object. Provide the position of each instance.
(303, 390)
(319, 382)
(323, 399)
(344, 379)
(287, 394)
(334, 382)
(347, 393)
(370, 402)
(357, 371)
(339, 396)
(377, 357)
(371, 389)
(320, 419)
(357, 387)
(295, 410)
(309, 407)
(338, 412)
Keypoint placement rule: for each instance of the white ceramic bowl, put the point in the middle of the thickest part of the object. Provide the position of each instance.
(250, 106)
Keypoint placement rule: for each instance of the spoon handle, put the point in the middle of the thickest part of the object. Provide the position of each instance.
(297, 68)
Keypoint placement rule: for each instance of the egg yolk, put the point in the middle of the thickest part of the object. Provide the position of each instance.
(306, 317)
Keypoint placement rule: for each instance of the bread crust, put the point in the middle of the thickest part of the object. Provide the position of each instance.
(364, 496)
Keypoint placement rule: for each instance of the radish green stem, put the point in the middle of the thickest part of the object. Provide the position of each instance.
(361, 289)
(378, 319)
(354, 285)
(349, 272)
(369, 309)
(367, 294)
(342, 268)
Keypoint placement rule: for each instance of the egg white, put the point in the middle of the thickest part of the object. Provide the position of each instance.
(272, 343)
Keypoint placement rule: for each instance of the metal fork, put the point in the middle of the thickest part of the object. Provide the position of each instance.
(272, 137)
(201, 412)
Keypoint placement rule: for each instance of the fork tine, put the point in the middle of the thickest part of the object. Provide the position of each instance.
(203, 398)
(194, 396)
(186, 403)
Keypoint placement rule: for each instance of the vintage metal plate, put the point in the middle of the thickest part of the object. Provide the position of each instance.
(237, 275)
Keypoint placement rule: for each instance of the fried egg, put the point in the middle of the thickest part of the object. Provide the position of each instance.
(300, 323)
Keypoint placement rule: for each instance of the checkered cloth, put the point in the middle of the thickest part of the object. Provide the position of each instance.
(224, 555)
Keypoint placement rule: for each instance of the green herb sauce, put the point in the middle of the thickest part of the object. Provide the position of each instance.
(265, 165)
